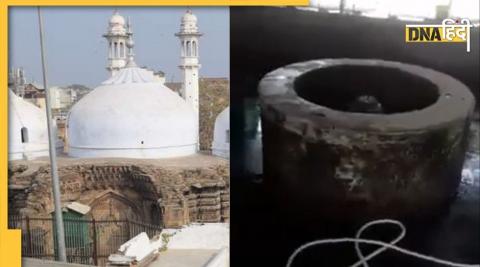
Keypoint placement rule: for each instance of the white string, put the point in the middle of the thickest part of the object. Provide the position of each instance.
(363, 260)
(383, 246)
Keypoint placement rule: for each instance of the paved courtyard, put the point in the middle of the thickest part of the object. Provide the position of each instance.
(183, 258)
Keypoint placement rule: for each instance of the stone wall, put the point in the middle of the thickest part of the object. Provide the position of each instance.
(169, 196)
(214, 98)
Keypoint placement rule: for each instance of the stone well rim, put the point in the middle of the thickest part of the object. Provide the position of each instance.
(282, 104)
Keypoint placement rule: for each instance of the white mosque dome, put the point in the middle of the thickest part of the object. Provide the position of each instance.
(27, 130)
(221, 134)
(133, 116)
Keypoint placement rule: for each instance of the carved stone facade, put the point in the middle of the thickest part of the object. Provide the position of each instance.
(171, 192)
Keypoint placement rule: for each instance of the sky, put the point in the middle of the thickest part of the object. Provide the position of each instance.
(76, 52)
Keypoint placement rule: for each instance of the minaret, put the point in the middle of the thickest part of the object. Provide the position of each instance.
(117, 37)
(17, 81)
(189, 65)
(130, 43)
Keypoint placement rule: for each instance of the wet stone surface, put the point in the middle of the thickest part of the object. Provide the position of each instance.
(451, 234)
(361, 148)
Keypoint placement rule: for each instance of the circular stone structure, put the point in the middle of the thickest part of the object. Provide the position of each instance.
(362, 139)
(131, 116)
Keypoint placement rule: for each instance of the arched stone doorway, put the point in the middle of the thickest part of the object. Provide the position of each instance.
(113, 206)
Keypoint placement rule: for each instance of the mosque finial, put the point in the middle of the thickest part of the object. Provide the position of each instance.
(129, 26)
(130, 44)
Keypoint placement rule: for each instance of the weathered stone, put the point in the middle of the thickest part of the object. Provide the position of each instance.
(168, 192)
(324, 160)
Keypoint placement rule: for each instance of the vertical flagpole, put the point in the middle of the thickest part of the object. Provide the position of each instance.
(62, 255)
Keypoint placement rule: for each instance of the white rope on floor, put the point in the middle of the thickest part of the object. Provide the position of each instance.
(363, 260)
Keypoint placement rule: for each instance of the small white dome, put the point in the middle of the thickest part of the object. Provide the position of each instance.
(189, 23)
(116, 19)
(189, 17)
(131, 115)
(221, 134)
(27, 130)
(116, 24)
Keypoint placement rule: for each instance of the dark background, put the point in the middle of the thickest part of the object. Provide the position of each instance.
(263, 39)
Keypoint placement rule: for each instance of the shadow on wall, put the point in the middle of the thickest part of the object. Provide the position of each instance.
(263, 39)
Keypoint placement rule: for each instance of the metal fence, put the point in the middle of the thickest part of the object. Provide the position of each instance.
(87, 241)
